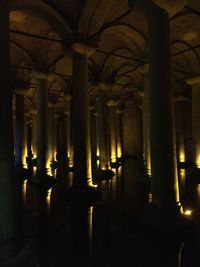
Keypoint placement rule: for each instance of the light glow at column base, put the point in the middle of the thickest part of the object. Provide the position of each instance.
(48, 199)
(198, 162)
(182, 156)
(187, 212)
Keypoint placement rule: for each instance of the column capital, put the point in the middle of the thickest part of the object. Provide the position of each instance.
(112, 103)
(180, 98)
(140, 93)
(144, 69)
(83, 48)
(20, 91)
(193, 81)
(103, 86)
(171, 6)
(37, 75)
(119, 111)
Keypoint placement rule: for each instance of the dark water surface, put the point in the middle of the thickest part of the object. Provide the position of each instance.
(110, 233)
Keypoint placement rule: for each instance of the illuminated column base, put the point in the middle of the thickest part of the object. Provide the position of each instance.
(113, 137)
(119, 125)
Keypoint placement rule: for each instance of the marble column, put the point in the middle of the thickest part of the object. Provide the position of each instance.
(70, 142)
(80, 117)
(10, 253)
(41, 122)
(165, 192)
(29, 144)
(132, 130)
(195, 85)
(51, 134)
(20, 149)
(93, 133)
(146, 129)
(119, 128)
(180, 130)
(97, 128)
(103, 128)
(62, 140)
(112, 130)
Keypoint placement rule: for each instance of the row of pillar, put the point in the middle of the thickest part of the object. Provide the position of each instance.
(163, 154)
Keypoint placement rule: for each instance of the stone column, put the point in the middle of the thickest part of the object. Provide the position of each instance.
(165, 192)
(62, 140)
(196, 124)
(97, 128)
(188, 132)
(119, 126)
(103, 127)
(195, 85)
(93, 133)
(112, 130)
(132, 130)
(39, 80)
(29, 144)
(51, 134)
(7, 212)
(70, 142)
(80, 116)
(10, 253)
(146, 127)
(180, 130)
(19, 131)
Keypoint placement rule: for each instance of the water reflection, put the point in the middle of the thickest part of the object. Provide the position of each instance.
(111, 232)
(81, 235)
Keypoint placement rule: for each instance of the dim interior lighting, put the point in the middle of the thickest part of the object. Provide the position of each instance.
(198, 162)
(188, 212)
(49, 192)
(98, 152)
(48, 199)
(149, 172)
(34, 170)
(98, 162)
(150, 198)
(182, 156)
(198, 189)
(24, 186)
(94, 185)
(119, 151)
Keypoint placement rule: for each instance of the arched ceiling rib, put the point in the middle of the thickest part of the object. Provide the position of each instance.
(121, 34)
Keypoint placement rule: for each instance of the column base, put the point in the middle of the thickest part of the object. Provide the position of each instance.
(104, 175)
(115, 165)
(25, 258)
(43, 180)
(83, 194)
(185, 165)
(22, 173)
(195, 174)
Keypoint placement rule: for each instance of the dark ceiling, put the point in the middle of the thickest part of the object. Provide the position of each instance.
(40, 32)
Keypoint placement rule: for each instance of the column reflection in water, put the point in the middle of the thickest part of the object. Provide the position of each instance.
(182, 185)
(81, 234)
(24, 186)
(43, 211)
(167, 252)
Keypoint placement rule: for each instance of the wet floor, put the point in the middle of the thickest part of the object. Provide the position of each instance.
(110, 233)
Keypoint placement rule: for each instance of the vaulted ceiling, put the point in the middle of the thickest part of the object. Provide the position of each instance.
(41, 33)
